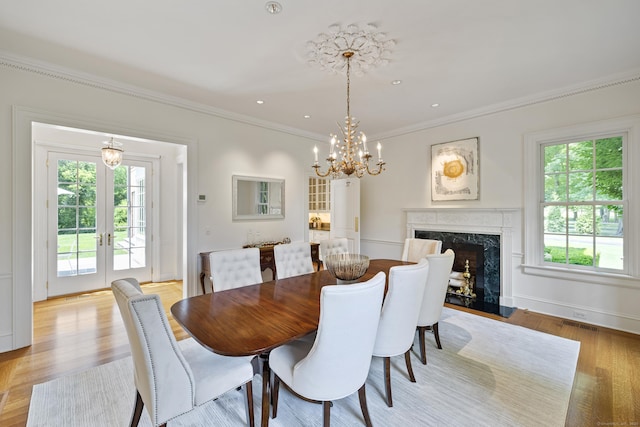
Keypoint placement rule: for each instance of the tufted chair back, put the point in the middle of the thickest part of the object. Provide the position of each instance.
(415, 249)
(339, 361)
(293, 259)
(235, 268)
(162, 375)
(339, 245)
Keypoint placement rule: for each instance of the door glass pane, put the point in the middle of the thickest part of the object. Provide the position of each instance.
(76, 237)
(129, 195)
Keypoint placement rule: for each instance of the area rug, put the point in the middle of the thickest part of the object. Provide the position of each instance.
(489, 373)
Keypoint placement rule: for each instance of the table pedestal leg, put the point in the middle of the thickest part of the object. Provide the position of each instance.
(266, 386)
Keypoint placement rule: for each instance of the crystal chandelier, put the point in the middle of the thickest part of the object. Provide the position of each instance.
(112, 154)
(349, 155)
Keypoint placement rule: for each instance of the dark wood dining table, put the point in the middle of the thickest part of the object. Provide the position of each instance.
(253, 320)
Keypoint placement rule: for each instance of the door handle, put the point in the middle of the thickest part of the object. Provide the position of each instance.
(108, 239)
(99, 238)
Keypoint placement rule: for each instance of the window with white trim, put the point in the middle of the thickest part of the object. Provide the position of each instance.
(580, 214)
(582, 204)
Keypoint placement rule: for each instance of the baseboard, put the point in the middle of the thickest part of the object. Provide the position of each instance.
(6, 342)
(579, 313)
(165, 277)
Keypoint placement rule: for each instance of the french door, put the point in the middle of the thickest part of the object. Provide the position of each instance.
(99, 223)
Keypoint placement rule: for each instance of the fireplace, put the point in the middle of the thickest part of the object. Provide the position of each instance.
(482, 253)
(479, 236)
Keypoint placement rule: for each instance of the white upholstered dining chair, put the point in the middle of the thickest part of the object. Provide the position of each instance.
(433, 299)
(337, 245)
(399, 317)
(235, 268)
(415, 249)
(335, 364)
(169, 381)
(293, 259)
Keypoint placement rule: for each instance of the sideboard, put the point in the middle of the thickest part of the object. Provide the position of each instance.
(267, 260)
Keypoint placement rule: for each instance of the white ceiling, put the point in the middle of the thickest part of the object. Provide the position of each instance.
(469, 56)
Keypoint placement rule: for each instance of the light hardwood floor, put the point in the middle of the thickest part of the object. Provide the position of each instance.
(76, 333)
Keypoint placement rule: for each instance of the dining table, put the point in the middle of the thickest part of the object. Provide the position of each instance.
(255, 319)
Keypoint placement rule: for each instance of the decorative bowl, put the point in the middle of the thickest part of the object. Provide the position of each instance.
(347, 268)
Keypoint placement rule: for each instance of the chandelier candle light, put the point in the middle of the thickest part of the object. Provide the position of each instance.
(349, 155)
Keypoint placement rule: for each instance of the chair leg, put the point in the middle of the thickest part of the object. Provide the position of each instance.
(423, 350)
(407, 360)
(387, 380)
(326, 413)
(363, 406)
(137, 410)
(436, 334)
(249, 401)
(274, 395)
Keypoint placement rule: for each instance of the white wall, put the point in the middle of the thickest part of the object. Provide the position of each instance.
(216, 149)
(406, 185)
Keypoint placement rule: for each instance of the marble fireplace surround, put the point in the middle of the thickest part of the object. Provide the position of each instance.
(498, 222)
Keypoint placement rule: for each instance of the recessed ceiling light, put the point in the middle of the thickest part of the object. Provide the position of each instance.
(435, 105)
(260, 101)
(396, 82)
(306, 116)
(273, 7)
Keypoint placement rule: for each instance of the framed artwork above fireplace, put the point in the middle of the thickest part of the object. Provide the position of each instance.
(454, 170)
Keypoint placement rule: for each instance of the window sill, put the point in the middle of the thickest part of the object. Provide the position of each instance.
(600, 278)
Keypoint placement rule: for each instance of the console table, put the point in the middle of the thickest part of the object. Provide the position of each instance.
(267, 260)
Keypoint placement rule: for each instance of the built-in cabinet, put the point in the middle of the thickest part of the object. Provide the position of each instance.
(345, 211)
(319, 194)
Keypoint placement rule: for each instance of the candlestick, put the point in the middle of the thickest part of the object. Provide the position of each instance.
(315, 153)
(364, 142)
(379, 152)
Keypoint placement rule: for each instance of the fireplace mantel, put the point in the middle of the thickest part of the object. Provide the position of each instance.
(477, 221)
(484, 221)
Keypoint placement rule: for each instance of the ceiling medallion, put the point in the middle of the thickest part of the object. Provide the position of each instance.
(370, 47)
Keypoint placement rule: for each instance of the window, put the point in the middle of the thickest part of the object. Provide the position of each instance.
(580, 214)
(582, 205)
(262, 204)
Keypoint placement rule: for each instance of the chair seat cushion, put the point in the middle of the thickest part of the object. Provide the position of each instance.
(215, 374)
(283, 359)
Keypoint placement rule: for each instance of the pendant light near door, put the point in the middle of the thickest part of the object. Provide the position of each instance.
(112, 153)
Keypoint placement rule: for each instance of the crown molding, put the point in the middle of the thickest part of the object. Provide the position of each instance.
(61, 73)
(46, 69)
(593, 85)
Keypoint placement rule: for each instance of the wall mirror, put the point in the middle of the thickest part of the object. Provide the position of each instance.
(257, 198)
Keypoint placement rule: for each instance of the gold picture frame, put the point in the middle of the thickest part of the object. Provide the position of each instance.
(454, 170)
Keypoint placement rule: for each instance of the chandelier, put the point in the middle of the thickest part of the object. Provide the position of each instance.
(112, 153)
(335, 52)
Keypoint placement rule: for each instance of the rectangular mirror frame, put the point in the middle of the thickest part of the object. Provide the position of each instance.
(240, 182)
